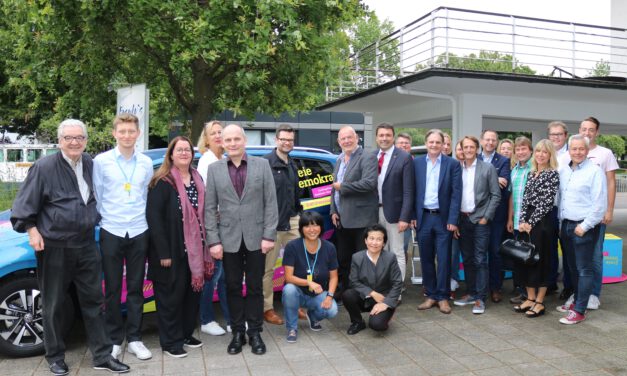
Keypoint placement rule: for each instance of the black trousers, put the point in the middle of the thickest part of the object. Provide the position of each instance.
(177, 307)
(115, 251)
(249, 308)
(56, 269)
(348, 242)
(355, 305)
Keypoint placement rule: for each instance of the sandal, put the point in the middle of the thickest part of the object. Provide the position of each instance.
(533, 313)
(521, 309)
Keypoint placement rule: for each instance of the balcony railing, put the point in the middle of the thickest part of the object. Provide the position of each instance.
(464, 39)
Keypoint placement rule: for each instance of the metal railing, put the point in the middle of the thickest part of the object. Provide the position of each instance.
(485, 41)
(621, 183)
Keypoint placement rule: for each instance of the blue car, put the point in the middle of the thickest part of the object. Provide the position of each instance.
(21, 327)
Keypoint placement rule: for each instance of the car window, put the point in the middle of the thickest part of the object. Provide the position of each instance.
(314, 177)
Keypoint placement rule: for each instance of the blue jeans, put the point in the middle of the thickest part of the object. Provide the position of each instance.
(473, 241)
(579, 250)
(434, 242)
(206, 299)
(494, 260)
(294, 298)
(597, 262)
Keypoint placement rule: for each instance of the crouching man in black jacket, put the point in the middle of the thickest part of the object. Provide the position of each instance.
(57, 208)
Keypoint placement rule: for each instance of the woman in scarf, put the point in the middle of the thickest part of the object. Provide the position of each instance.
(178, 255)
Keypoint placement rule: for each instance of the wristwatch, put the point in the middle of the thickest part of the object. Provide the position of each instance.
(330, 294)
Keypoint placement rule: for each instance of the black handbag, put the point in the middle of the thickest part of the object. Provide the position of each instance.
(520, 251)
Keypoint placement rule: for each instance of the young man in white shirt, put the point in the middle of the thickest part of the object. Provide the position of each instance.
(121, 177)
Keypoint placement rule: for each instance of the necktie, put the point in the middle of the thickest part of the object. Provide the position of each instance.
(381, 157)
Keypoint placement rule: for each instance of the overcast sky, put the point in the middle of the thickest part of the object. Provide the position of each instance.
(402, 12)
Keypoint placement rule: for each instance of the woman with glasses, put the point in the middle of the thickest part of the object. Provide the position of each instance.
(178, 254)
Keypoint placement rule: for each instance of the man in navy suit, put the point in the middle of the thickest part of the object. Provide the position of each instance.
(438, 199)
(395, 185)
(489, 142)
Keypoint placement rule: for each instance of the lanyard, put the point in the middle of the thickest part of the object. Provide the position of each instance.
(127, 184)
(310, 269)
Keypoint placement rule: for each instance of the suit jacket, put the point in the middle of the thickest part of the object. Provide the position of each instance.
(384, 278)
(449, 188)
(398, 188)
(252, 217)
(503, 170)
(359, 200)
(487, 192)
(165, 224)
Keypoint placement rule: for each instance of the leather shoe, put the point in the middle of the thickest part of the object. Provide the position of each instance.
(444, 306)
(256, 344)
(302, 315)
(113, 365)
(235, 347)
(356, 327)
(429, 303)
(496, 296)
(59, 367)
(272, 317)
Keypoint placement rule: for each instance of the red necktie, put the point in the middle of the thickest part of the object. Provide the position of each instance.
(381, 158)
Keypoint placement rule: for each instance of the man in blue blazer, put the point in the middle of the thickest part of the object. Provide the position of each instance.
(438, 199)
(396, 188)
(489, 142)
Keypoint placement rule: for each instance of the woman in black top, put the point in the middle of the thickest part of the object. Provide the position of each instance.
(536, 219)
(310, 274)
(178, 254)
(375, 283)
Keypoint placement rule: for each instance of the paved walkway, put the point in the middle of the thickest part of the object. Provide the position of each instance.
(499, 342)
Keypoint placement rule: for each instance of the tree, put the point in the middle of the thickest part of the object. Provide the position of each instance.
(203, 56)
(486, 61)
(368, 43)
(613, 142)
(601, 69)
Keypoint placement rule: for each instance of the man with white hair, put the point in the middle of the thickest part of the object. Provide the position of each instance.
(57, 208)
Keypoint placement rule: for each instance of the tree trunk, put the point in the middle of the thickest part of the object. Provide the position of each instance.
(204, 94)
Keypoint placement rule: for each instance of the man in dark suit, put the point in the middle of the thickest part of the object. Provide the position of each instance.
(396, 188)
(481, 196)
(438, 195)
(489, 142)
(242, 188)
(353, 199)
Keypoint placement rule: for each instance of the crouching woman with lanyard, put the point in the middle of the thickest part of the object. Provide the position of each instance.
(310, 274)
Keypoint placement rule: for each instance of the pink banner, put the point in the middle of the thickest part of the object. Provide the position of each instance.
(322, 191)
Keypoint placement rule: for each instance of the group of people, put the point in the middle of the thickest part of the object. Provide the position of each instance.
(209, 227)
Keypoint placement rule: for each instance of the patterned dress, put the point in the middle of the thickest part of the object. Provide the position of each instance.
(536, 208)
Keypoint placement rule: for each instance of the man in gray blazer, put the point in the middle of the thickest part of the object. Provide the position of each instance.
(241, 217)
(354, 203)
(481, 196)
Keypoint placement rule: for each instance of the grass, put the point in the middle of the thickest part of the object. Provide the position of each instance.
(7, 194)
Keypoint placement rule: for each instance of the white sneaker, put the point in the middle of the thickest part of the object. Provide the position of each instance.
(228, 329)
(567, 306)
(116, 350)
(140, 351)
(594, 302)
(454, 285)
(212, 328)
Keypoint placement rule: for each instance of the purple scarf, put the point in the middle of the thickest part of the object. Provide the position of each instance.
(193, 228)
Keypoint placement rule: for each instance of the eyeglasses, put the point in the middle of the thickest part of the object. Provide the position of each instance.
(78, 139)
(182, 151)
(286, 140)
(556, 134)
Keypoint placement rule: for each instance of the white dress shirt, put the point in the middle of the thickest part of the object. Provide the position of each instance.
(468, 191)
(384, 169)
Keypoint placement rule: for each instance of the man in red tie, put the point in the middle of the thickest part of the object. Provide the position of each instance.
(396, 191)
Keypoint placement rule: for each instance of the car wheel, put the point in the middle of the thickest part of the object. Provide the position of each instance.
(21, 323)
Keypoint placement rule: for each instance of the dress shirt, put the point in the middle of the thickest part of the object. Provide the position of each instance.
(340, 178)
(583, 194)
(487, 157)
(122, 211)
(520, 172)
(77, 167)
(432, 182)
(384, 168)
(238, 174)
(468, 189)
